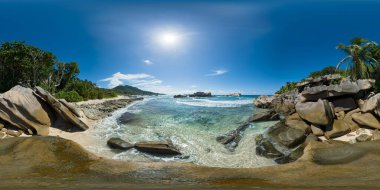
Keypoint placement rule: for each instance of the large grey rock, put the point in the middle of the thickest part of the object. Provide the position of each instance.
(297, 122)
(266, 149)
(264, 102)
(120, 144)
(339, 128)
(71, 107)
(366, 119)
(61, 109)
(344, 104)
(346, 87)
(157, 148)
(22, 109)
(349, 120)
(286, 136)
(318, 113)
(371, 104)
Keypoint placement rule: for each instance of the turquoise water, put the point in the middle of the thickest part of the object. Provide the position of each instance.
(192, 124)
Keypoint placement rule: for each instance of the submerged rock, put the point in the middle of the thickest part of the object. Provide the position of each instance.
(157, 148)
(120, 144)
(266, 149)
(127, 117)
(267, 115)
(231, 139)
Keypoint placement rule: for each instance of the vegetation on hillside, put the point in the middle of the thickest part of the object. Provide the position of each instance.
(130, 90)
(29, 66)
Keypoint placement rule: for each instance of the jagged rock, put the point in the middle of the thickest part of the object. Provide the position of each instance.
(267, 115)
(265, 148)
(120, 144)
(157, 148)
(363, 138)
(366, 119)
(344, 104)
(371, 104)
(61, 109)
(316, 130)
(285, 103)
(339, 128)
(346, 87)
(318, 113)
(71, 107)
(231, 139)
(296, 121)
(286, 136)
(348, 118)
(22, 109)
(264, 102)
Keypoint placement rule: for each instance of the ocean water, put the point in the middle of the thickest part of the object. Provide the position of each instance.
(192, 124)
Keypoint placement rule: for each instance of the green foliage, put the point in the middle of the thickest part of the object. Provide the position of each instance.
(70, 96)
(29, 66)
(289, 86)
(88, 90)
(362, 57)
(130, 90)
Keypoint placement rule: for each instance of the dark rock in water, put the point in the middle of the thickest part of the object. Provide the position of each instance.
(180, 96)
(231, 139)
(118, 143)
(267, 115)
(157, 148)
(293, 156)
(201, 94)
(266, 149)
(286, 136)
(127, 117)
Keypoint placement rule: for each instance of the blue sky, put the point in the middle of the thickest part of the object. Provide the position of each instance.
(175, 47)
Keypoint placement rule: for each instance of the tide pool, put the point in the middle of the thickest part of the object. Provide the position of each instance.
(192, 124)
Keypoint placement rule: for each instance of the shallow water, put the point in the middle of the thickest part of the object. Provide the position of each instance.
(192, 124)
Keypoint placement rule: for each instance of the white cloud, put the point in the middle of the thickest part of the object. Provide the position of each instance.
(194, 86)
(217, 72)
(148, 62)
(119, 78)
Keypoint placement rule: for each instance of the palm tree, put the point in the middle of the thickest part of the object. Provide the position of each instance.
(361, 61)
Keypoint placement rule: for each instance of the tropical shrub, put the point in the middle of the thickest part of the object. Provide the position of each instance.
(70, 96)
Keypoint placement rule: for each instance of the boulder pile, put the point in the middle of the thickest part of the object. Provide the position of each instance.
(324, 109)
(32, 112)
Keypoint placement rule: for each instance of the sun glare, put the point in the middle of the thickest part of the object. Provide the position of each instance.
(169, 39)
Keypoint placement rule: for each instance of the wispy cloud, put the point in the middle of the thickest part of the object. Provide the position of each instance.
(119, 79)
(217, 72)
(148, 62)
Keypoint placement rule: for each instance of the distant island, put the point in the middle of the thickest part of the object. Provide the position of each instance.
(130, 90)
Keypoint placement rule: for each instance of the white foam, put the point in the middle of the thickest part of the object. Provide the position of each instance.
(215, 103)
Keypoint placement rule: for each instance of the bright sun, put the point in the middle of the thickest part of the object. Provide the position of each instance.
(169, 39)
